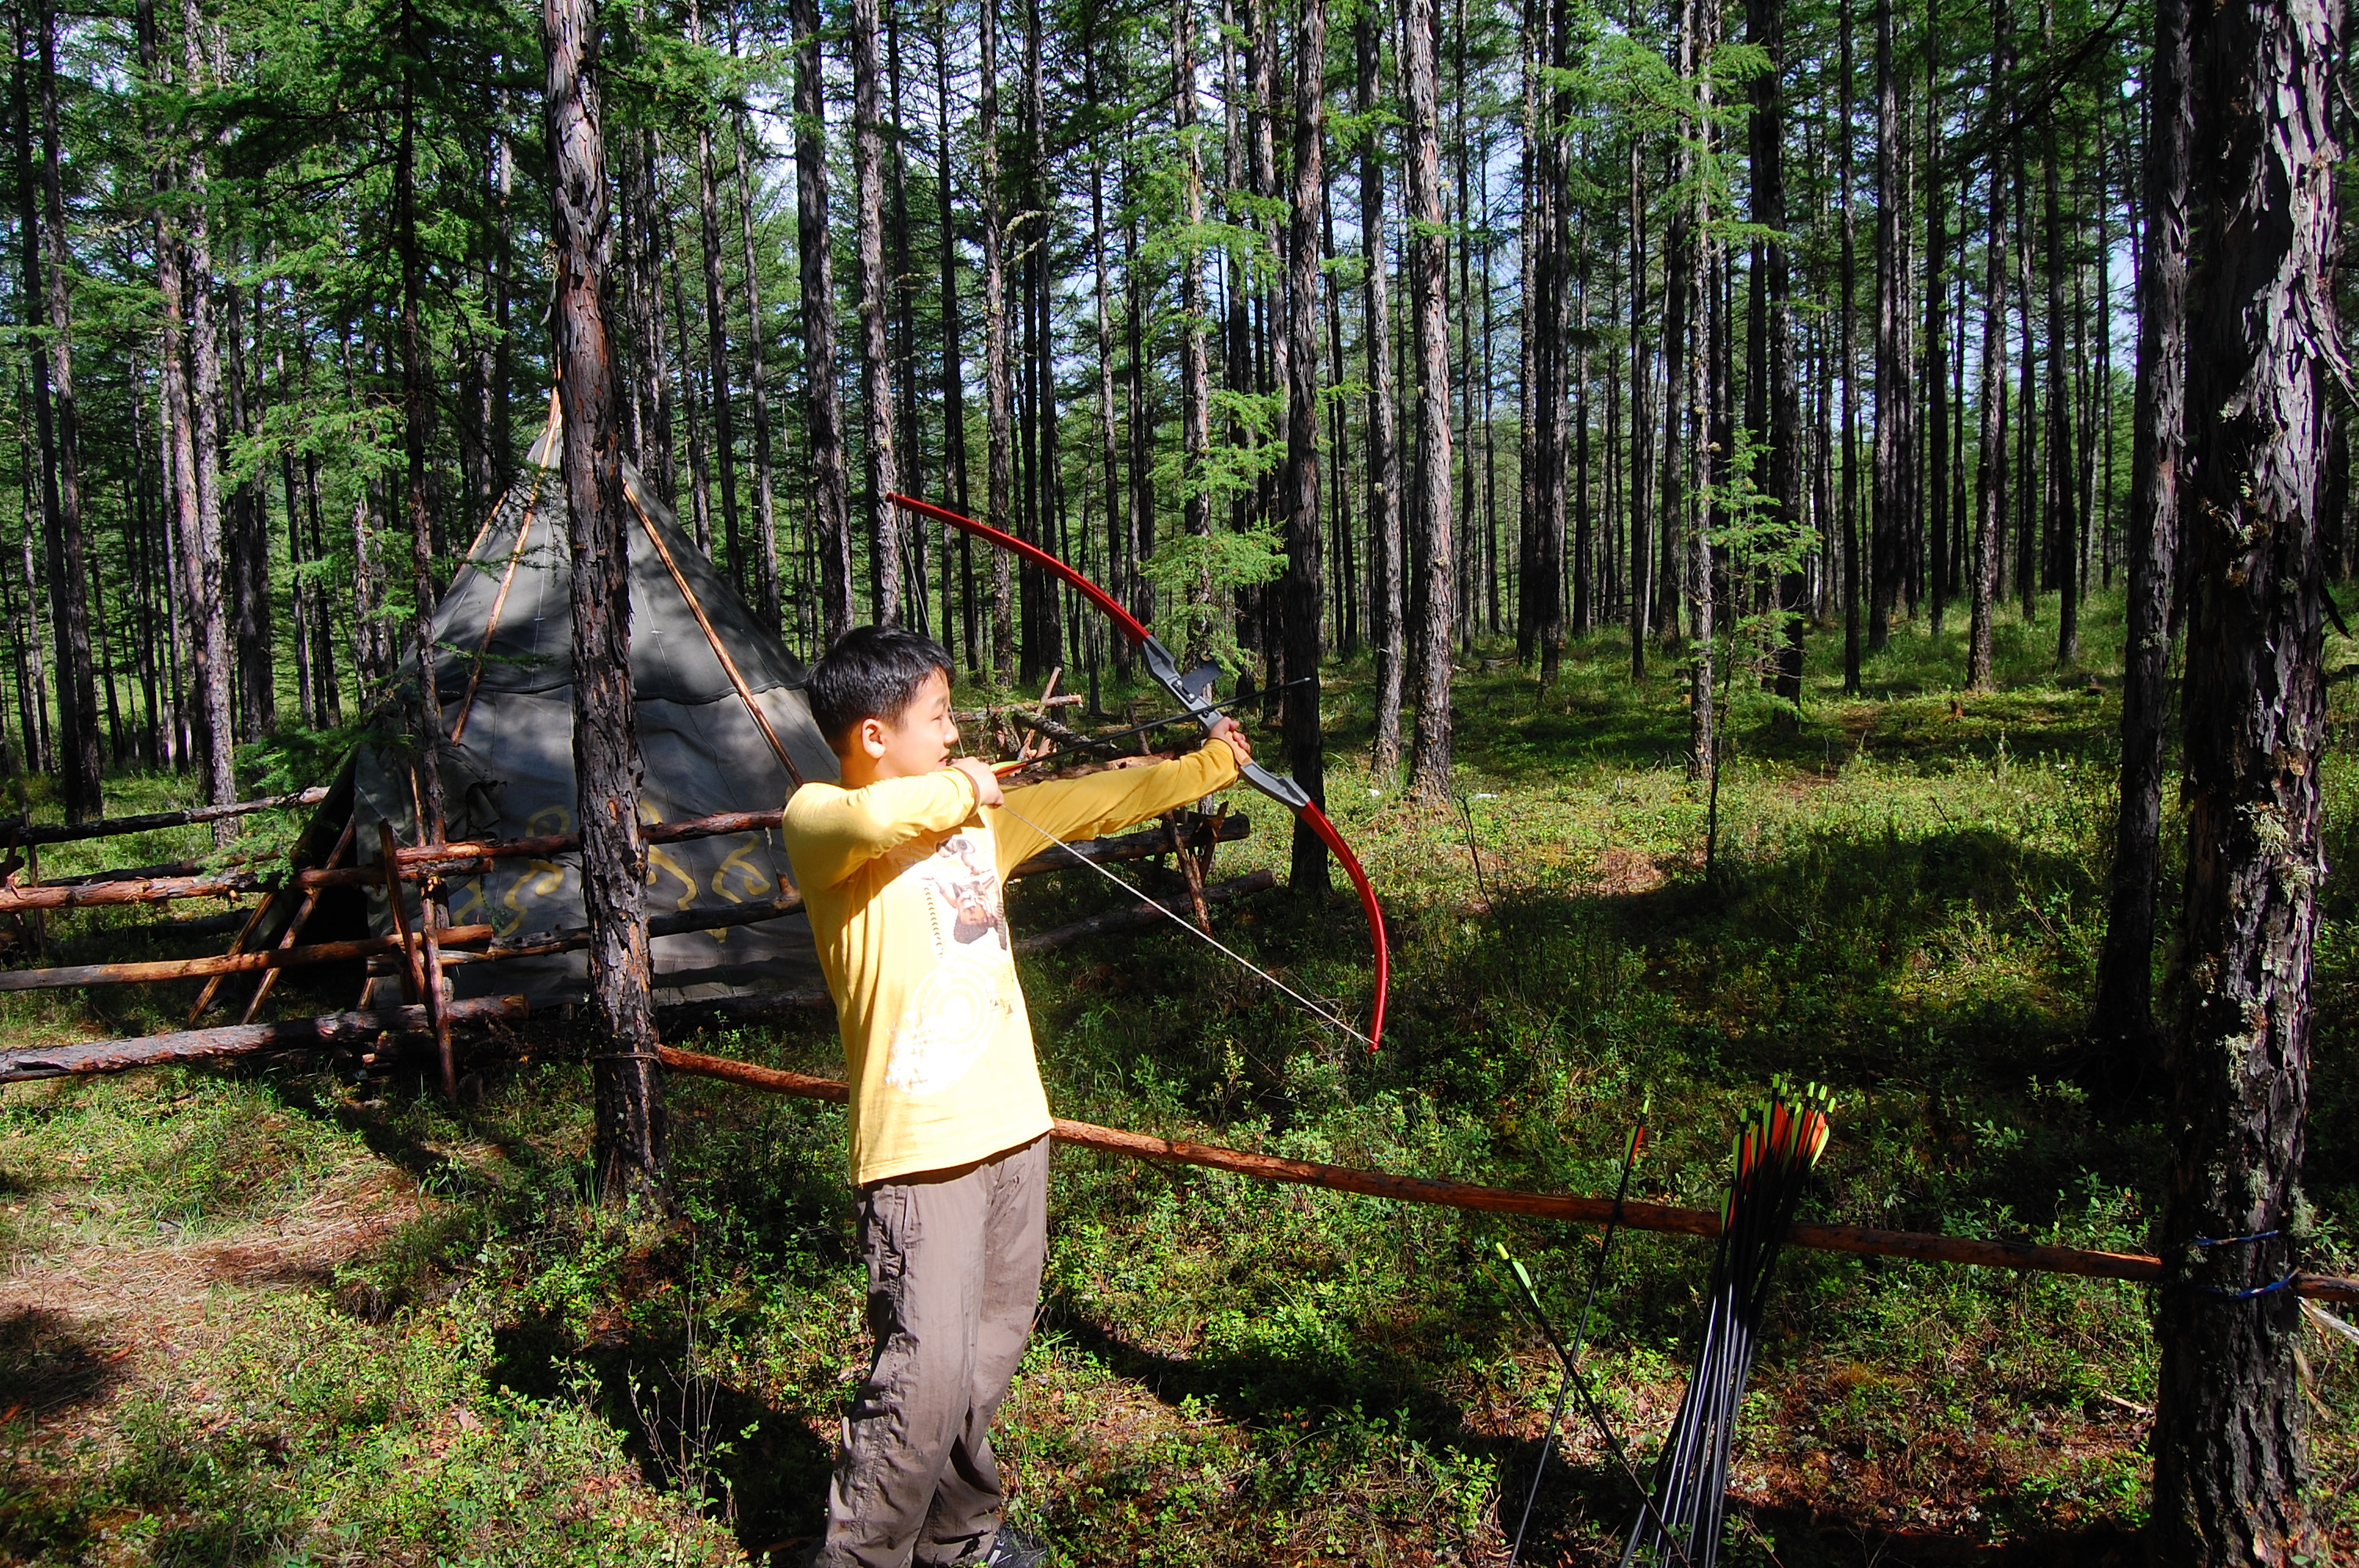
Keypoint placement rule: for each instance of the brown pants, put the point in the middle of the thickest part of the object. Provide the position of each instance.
(953, 1276)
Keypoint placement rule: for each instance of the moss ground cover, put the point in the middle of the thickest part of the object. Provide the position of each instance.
(304, 1313)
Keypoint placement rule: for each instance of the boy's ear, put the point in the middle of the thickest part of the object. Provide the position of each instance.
(870, 737)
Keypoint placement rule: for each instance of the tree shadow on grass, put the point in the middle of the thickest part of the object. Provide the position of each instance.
(688, 1433)
(51, 1362)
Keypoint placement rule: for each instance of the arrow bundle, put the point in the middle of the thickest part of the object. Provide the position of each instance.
(1689, 1497)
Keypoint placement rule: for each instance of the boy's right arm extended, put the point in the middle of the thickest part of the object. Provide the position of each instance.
(831, 833)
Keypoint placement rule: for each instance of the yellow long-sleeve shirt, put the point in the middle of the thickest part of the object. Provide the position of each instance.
(901, 880)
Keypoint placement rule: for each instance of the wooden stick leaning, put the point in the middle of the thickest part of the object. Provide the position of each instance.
(295, 926)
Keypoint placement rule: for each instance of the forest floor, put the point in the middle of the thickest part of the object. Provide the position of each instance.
(308, 1313)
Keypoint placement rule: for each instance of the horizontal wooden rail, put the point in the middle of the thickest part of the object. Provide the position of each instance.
(442, 856)
(147, 971)
(16, 830)
(458, 950)
(123, 891)
(1663, 1217)
(241, 1038)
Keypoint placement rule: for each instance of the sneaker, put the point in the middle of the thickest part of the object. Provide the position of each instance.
(1012, 1548)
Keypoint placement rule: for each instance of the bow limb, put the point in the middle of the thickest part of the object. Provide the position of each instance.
(1166, 670)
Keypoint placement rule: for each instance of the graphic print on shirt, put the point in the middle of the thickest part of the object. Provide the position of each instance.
(949, 1017)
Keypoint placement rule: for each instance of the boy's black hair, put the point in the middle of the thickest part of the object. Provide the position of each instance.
(872, 672)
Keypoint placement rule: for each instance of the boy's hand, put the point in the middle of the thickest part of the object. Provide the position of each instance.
(986, 782)
(1229, 729)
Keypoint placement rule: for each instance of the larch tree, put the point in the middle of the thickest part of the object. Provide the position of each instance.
(830, 502)
(1305, 583)
(1385, 630)
(1429, 516)
(626, 1076)
(883, 471)
(2124, 1015)
(2231, 1460)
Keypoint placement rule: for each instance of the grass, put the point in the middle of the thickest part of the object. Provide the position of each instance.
(314, 1315)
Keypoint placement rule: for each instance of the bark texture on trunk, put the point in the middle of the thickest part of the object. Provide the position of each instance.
(999, 435)
(625, 1076)
(1305, 564)
(876, 314)
(1387, 632)
(2124, 1016)
(716, 352)
(1430, 510)
(1990, 511)
(69, 563)
(765, 513)
(1895, 428)
(416, 409)
(2231, 1453)
(1766, 27)
(209, 643)
(831, 505)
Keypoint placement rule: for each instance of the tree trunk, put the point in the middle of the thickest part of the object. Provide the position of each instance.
(1766, 27)
(1642, 462)
(954, 454)
(1430, 511)
(1894, 380)
(954, 348)
(2063, 484)
(426, 706)
(767, 597)
(1990, 485)
(1846, 350)
(627, 1082)
(247, 544)
(2231, 1454)
(883, 472)
(1195, 374)
(2123, 1017)
(68, 568)
(1935, 497)
(187, 280)
(832, 525)
(716, 337)
(999, 434)
(1305, 568)
(1699, 38)
(1385, 632)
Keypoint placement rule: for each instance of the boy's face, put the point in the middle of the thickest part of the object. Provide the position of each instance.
(915, 743)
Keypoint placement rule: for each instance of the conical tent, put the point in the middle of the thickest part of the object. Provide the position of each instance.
(722, 726)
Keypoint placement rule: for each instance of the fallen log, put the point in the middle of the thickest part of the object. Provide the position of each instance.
(145, 971)
(1662, 1217)
(16, 830)
(240, 1039)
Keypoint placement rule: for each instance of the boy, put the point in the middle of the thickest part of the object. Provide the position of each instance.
(900, 867)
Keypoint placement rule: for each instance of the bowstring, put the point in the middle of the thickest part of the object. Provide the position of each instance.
(1198, 932)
